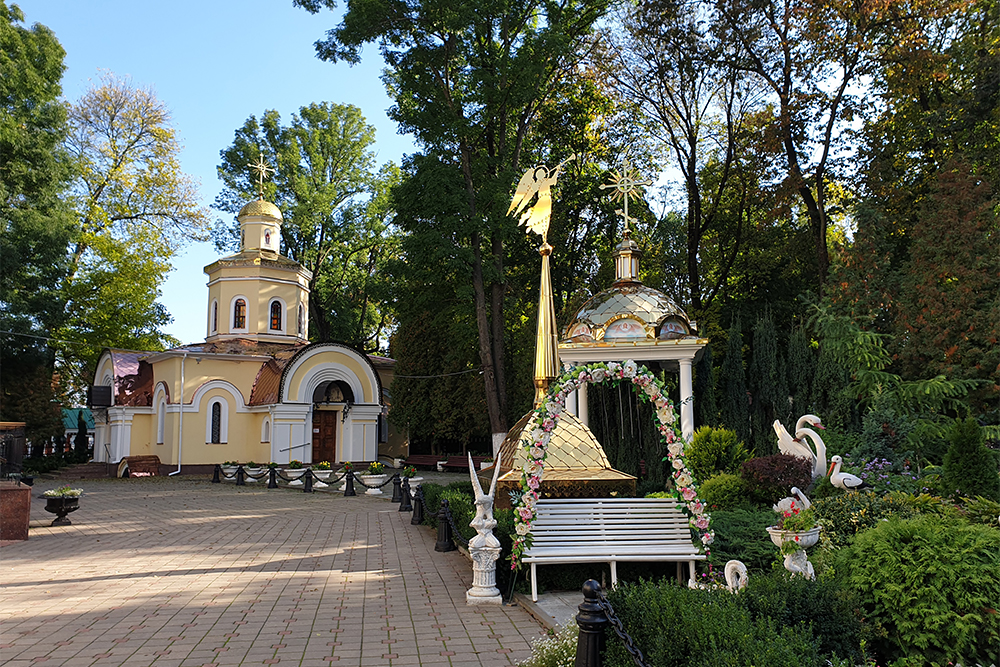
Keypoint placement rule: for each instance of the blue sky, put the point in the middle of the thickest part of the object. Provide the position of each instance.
(213, 63)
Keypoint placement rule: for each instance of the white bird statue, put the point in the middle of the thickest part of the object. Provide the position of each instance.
(483, 522)
(845, 480)
(736, 576)
(798, 447)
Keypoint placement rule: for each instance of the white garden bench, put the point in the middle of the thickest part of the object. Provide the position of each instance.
(609, 530)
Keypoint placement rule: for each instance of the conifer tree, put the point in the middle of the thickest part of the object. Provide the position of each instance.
(800, 370)
(735, 408)
(970, 469)
(764, 384)
(705, 405)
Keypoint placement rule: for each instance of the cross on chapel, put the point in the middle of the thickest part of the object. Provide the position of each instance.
(625, 184)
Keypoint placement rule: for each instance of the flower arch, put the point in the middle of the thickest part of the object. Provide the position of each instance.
(546, 418)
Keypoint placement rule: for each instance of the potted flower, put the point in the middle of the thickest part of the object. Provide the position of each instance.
(61, 501)
(322, 472)
(295, 470)
(795, 531)
(410, 473)
(253, 471)
(344, 470)
(229, 470)
(375, 477)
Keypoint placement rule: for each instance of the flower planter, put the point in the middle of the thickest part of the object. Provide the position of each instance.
(372, 480)
(61, 506)
(321, 477)
(295, 474)
(229, 473)
(796, 561)
(414, 481)
(252, 474)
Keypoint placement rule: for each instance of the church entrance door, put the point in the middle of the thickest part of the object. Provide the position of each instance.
(324, 446)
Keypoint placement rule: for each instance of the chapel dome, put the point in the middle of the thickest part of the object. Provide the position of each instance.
(259, 207)
(628, 312)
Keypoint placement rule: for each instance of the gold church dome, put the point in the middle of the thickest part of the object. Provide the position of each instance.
(259, 207)
(628, 312)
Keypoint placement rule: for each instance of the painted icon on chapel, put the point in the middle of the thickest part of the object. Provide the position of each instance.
(624, 328)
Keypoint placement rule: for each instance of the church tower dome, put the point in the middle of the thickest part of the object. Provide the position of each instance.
(258, 294)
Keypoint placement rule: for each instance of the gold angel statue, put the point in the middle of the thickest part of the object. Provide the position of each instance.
(536, 180)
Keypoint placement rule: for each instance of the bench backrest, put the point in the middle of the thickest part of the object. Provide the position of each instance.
(599, 520)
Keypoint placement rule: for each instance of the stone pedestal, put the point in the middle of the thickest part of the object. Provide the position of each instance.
(484, 576)
(15, 511)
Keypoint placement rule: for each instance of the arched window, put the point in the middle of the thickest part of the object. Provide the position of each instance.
(302, 327)
(161, 419)
(217, 421)
(265, 430)
(240, 314)
(276, 316)
(215, 317)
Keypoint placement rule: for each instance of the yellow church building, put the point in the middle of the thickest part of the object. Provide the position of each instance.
(256, 389)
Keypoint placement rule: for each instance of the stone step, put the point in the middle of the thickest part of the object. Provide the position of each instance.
(84, 471)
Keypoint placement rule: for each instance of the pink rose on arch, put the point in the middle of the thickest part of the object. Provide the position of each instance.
(548, 424)
(697, 507)
(688, 493)
(525, 513)
(533, 482)
(701, 523)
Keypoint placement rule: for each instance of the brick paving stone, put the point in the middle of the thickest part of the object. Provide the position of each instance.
(179, 572)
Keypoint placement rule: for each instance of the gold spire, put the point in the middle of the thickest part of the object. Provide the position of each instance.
(539, 180)
(262, 171)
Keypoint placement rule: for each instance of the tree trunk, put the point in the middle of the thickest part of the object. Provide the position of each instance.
(485, 347)
(497, 321)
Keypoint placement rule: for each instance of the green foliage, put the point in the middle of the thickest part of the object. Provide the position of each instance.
(823, 605)
(714, 450)
(770, 478)
(802, 360)
(764, 385)
(884, 432)
(932, 584)
(555, 650)
(725, 491)
(970, 469)
(981, 510)
(845, 515)
(735, 409)
(741, 534)
(680, 627)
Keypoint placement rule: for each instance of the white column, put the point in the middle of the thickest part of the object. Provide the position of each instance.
(687, 400)
(584, 414)
(571, 403)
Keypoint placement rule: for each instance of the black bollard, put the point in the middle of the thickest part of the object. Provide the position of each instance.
(215, 475)
(272, 478)
(592, 621)
(444, 541)
(404, 501)
(396, 496)
(349, 491)
(308, 487)
(418, 507)
(240, 476)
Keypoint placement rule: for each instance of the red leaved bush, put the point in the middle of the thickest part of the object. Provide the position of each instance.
(770, 478)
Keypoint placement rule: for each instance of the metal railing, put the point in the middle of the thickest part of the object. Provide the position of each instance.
(595, 615)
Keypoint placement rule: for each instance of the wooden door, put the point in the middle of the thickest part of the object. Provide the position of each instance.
(324, 424)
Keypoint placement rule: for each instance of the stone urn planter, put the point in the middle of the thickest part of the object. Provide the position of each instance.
(229, 473)
(294, 474)
(321, 477)
(372, 480)
(414, 481)
(252, 475)
(61, 506)
(796, 561)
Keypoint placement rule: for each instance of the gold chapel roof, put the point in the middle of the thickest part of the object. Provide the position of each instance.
(259, 207)
(614, 310)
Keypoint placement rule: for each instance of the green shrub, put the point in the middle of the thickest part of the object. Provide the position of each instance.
(770, 478)
(714, 450)
(678, 627)
(981, 510)
(742, 534)
(556, 650)
(970, 469)
(845, 515)
(725, 491)
(932, 585)
(432, 502)
(823, 605)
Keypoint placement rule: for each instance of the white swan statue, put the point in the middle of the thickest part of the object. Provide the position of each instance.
(845, 480)
(797, 446)
(736, 576)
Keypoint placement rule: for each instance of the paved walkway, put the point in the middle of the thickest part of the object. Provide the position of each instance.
(181, 572)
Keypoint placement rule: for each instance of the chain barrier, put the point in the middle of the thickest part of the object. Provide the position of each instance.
(637, 657)
(373, 486)
(456, 534)
(308, 477)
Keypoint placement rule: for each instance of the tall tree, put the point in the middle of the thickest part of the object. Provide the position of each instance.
(136, 208)
(735, 403)
(810, 55)
(469, 81)
(36, 224)
(336, 209)
(764, 384)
